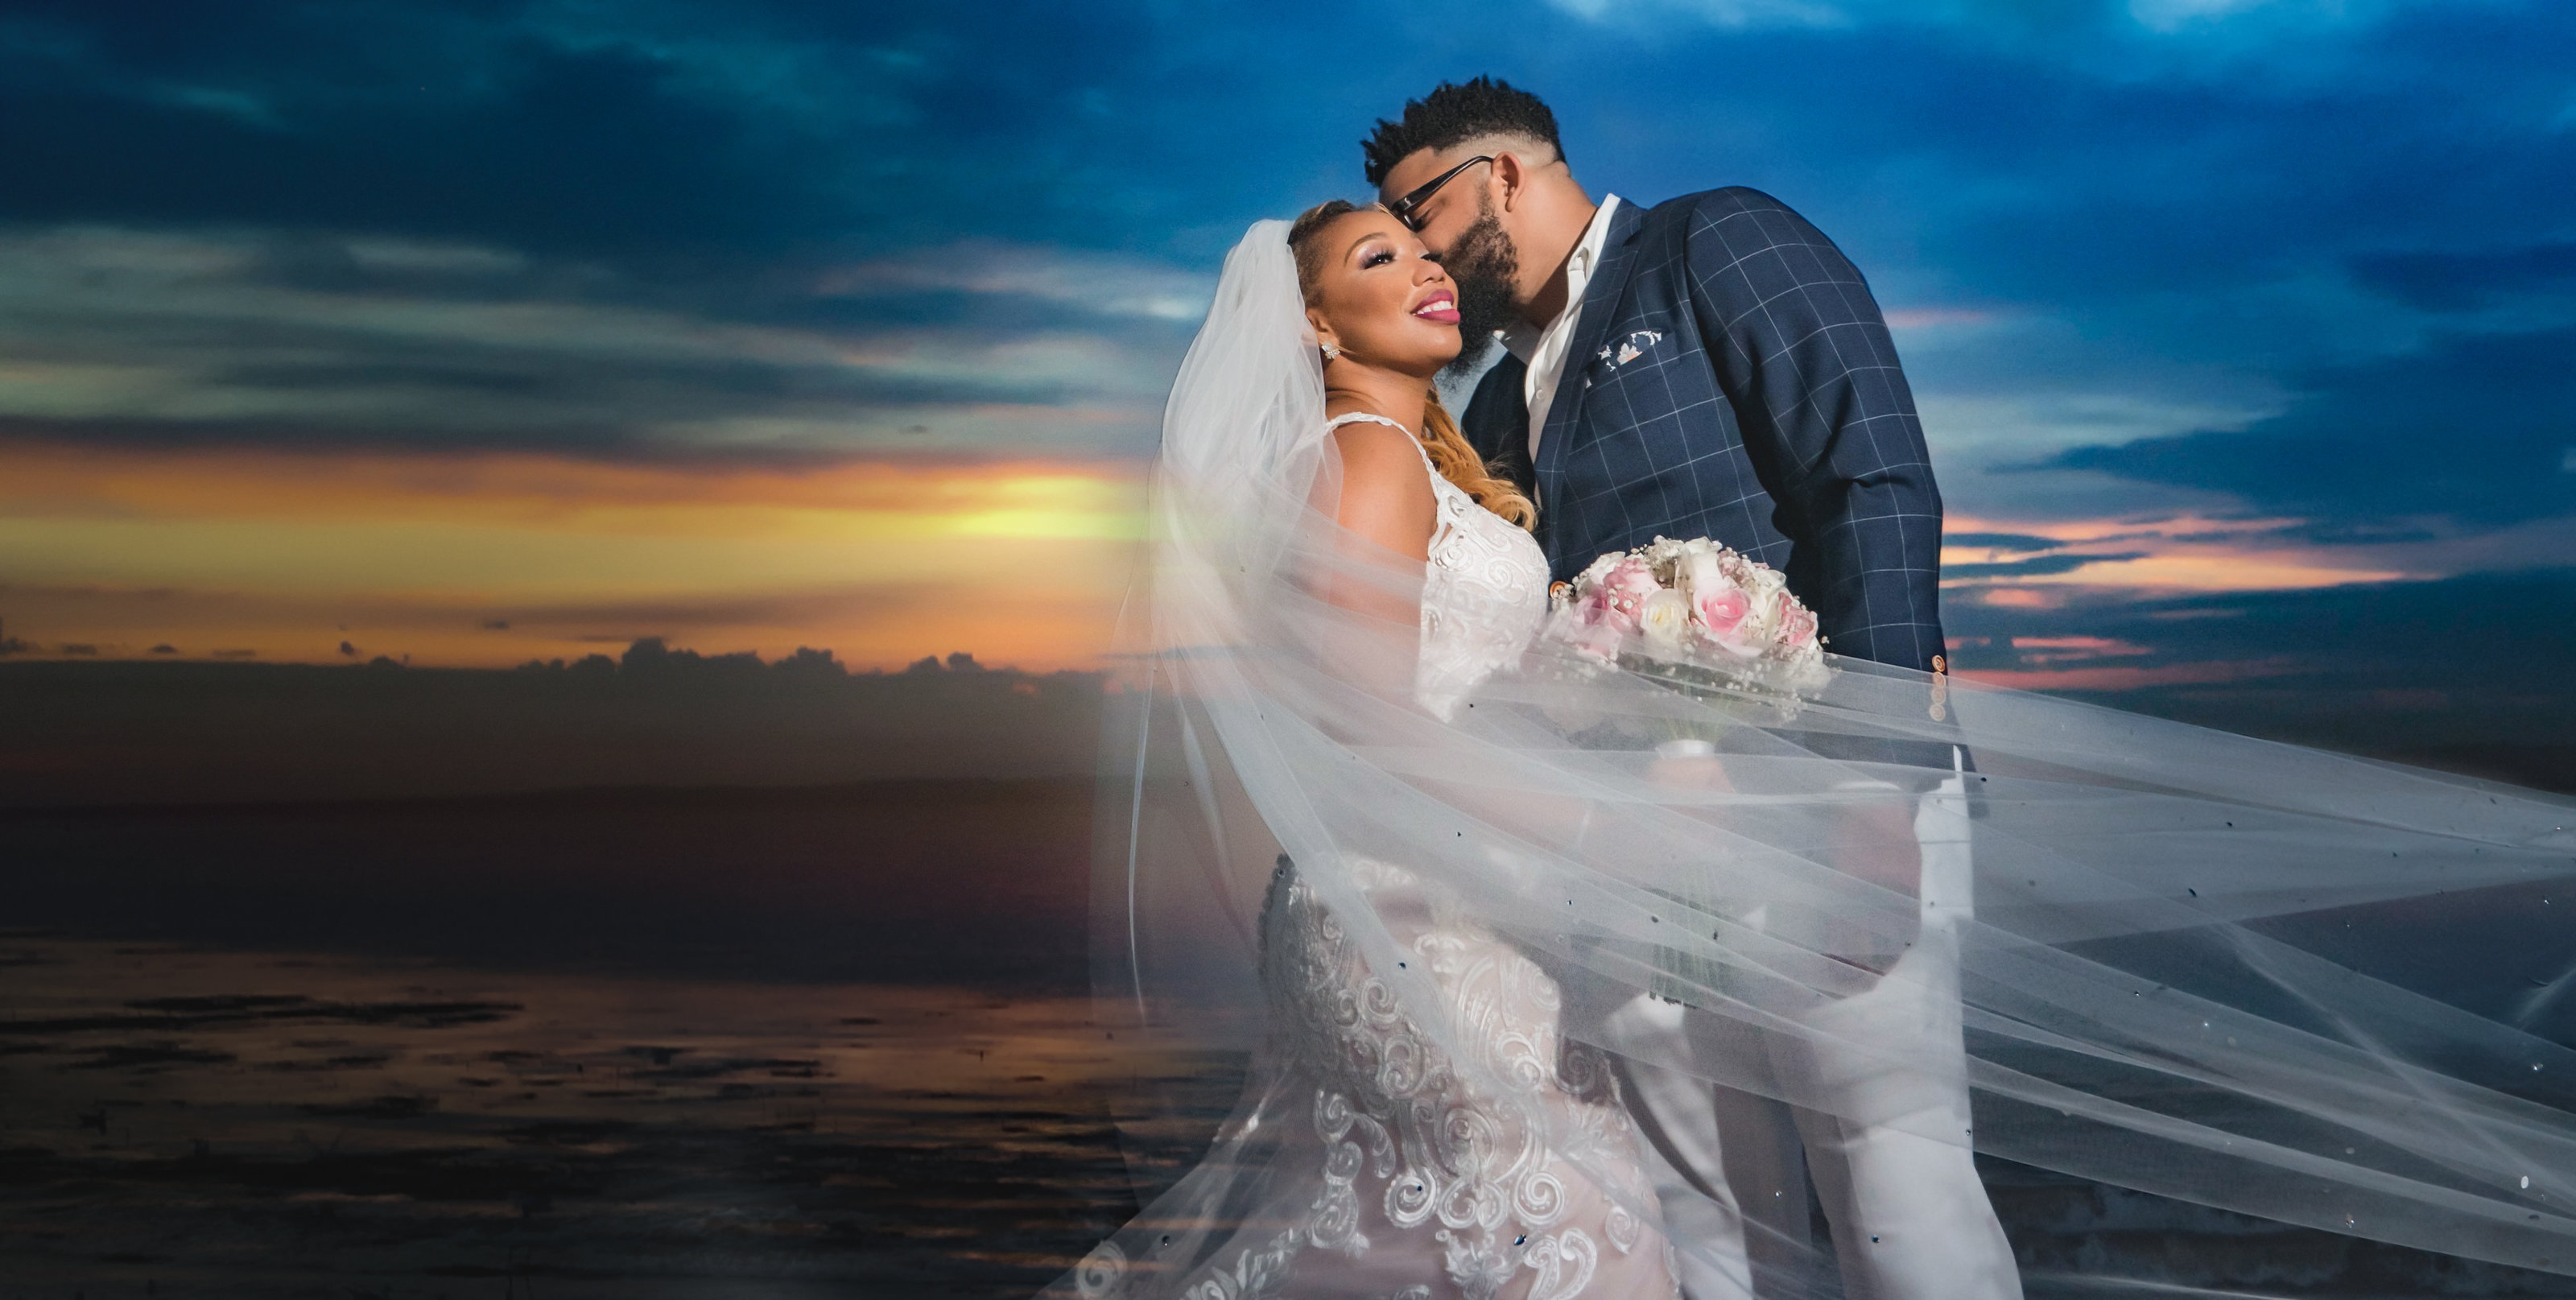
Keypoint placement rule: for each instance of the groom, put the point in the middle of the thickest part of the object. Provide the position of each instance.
(1714, 367)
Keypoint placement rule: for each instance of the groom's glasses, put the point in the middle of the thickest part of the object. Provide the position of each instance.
(1405, 208)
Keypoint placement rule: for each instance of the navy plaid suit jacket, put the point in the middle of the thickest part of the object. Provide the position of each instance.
(1731, 377)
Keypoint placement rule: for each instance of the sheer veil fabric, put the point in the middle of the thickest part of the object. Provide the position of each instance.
(2141, 1000)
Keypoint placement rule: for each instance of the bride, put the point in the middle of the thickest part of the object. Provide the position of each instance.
(1369, 818)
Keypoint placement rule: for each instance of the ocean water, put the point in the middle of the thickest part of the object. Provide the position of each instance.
(732, 1042)
(190, 1122)
(721, 1043)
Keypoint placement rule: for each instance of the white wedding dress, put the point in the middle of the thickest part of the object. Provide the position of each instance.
(1489, 1179)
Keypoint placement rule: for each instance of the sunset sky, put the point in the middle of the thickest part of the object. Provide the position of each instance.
(477, 332)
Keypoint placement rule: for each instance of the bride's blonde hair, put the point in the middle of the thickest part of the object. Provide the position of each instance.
(1447, 447)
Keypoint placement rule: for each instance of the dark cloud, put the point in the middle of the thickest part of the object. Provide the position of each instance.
(653, 714)
(2164, 217)
(654, 131)
(319, 341)
(2328, 532)
(893, 601)
(2001, 541)
(587, 155)
(683, 129)
(2373, 667)
(2036, 567)
(2466, 281)
(2480, 428)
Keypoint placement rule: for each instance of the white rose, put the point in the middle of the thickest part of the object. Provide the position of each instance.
(1762, 623)
(1762, 583)
(1695, 571)
(1664, 620)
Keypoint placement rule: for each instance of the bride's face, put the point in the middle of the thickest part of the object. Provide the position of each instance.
(1380, 297)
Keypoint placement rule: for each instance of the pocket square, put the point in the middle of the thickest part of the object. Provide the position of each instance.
(1633, 347)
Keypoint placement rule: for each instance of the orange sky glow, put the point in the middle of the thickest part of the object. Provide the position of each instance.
(2175, 556)
(2169, 557)
(494, 559)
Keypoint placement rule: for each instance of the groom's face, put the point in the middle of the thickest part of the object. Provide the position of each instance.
(1461, 227)
(1453, 204)
(1485, 267)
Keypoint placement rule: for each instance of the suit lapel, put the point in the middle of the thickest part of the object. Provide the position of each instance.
(1600, 298)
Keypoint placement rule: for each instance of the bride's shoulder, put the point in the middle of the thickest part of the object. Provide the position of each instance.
(1386, 492)
(1368, 446)
(1382, 463)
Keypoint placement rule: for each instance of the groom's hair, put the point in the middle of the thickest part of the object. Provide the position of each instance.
(1454, 113)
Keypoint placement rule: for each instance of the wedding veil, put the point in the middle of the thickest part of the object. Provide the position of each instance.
(2159, 985)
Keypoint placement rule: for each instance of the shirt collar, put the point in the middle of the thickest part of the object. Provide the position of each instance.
(1520, 337)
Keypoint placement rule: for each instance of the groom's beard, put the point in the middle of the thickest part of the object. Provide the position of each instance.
(1482, 264)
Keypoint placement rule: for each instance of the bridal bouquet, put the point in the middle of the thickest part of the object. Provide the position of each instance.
(1697, 607)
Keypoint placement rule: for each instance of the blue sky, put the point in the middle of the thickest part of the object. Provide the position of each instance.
(2286, 286)
(2109, 221)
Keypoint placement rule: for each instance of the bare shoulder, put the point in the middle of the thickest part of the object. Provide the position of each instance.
(1381, 450)
(1386, 487)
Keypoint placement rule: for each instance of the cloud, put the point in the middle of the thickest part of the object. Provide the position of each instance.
(394, 116)
(1063, 622)
(2215, 263)
(2000, 541)
(314, 339)
(785, 74)
(646, 715)
(2475, 659)
(1108, 285)
(2455, 282)
(1725, 13)
(2227, 25)
(2044, 566)
(2149, 555)
(2475, 428)
(643, 128)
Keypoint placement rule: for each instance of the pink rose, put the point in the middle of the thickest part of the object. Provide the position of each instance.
(1797, 624)
(1630, 584)
(1722, 607)
(1601, 609)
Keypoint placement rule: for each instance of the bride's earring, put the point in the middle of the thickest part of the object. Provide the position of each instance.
(1332, 350)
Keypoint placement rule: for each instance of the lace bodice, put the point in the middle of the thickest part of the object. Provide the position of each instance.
(1484, 591)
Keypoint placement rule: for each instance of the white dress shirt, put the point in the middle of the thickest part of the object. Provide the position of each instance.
(1543, 348)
